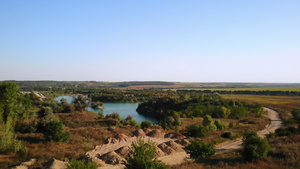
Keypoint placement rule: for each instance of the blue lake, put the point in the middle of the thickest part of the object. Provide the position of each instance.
(124, 109)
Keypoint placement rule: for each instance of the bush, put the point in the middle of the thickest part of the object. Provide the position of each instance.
(198, 149)
(296, 114)
(227, 134)
(230, 125)
(209, 123)
(146, 124)
(53, 131)
(114, 115)
(78, 164)
(142, 156)
(286, 131)
(195, 131)
(219, 125)
(8, 141)
(254, 146)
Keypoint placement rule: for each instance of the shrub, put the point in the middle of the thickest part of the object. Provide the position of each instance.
(114, 115)
(230, 125)
(78, 164)
(198, 149)
(53, 131)
(227, 134)
(8, 141)
(296, 114)
(286, 131)
(146, 124)
(219, 125)
(195, 131)
(209, 123)
(142, 156)
(254, 146)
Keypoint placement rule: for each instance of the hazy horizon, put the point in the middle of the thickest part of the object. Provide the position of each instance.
(174, 41)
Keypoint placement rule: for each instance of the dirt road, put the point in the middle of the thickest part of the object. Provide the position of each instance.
(276, 122)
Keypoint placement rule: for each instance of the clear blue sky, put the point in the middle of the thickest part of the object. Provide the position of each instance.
(150, 40)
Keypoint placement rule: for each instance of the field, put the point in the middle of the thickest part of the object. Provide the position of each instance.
(282, 103)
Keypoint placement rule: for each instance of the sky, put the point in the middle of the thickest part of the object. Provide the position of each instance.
(150, 40)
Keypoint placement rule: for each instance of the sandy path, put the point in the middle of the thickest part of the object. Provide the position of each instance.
(276, 122)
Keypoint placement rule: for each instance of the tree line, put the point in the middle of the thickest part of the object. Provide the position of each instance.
(246, 92)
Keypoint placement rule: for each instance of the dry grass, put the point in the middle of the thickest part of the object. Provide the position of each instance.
(284, 154)
(240, 126)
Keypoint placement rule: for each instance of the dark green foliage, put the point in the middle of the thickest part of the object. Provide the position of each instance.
(114, 115)
(209, 123)
(146, 124)
(8, 141)
(254, 147)
(54, 131)
(296, 114)
(198, 150)
(227, 134)
(142, 156)
(286, 131)
(219, 125)
(195, 131)
(9, 94)
(80, 102)
(78, 164)
(197, 105)
(230, 125)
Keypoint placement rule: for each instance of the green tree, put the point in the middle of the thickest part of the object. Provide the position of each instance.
(80, 102)
(142, 156)
(219, 125)
(195, 131)
(198, 150)
(254, 146)
(146, 124)
(9, 93)
(296, 114)
(54, 131)
(9, 142)
(209, 123)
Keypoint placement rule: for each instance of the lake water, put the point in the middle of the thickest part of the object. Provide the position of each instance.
(124, 109)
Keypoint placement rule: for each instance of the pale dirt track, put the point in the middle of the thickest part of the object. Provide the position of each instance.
(275, 123)
(178, 158)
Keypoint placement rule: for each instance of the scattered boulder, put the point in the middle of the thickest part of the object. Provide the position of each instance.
(159, 152)
(111, 141)
(56, 164)
(26, 165)
(123, 151)
(166, 149)
(112, 158)
(121, 136)
(175, 146)
(146, 130)
(182, 142)
(97, 161)
(139, 133)
(156, 134)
